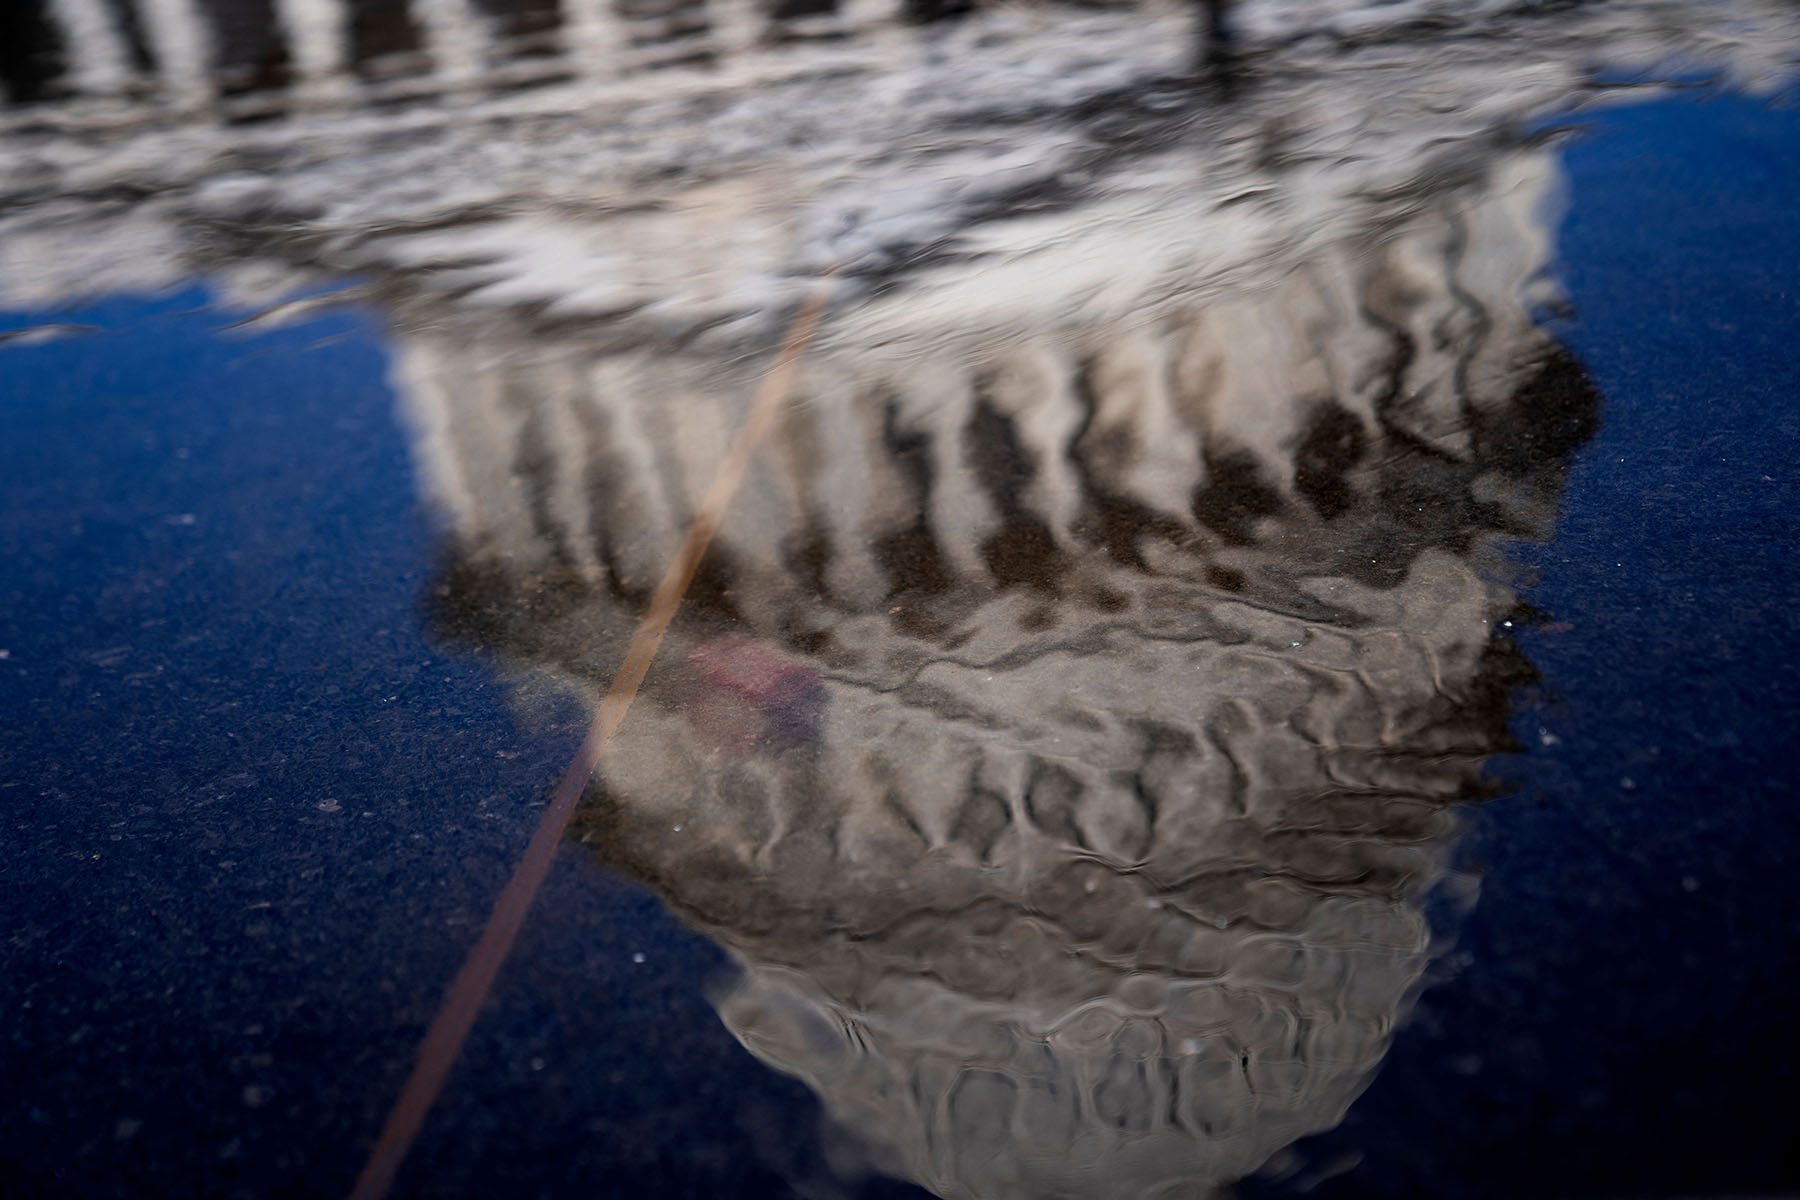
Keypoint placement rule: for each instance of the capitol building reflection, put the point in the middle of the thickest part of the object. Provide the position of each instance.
(1066, 732)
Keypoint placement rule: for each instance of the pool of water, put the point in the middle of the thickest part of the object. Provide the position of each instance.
(1257, 653)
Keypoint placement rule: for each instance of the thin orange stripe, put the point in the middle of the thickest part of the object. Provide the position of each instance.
(462, 1004)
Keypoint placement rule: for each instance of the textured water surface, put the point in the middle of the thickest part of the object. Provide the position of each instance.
(1256, 657)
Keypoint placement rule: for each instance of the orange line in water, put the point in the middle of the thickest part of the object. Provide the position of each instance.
(449, 1029)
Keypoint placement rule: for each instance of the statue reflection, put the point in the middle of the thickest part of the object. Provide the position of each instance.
(1068, 725)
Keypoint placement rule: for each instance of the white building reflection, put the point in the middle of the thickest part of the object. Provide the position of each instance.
(1066, 733)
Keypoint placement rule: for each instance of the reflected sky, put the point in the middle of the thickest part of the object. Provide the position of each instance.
(1052, 784)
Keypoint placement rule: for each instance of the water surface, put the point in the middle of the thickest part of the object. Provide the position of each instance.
(1258, 656)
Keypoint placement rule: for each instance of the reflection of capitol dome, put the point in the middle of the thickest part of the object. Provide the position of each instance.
(1064, 736)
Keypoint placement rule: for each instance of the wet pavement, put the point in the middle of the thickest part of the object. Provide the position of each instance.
(1257, 654)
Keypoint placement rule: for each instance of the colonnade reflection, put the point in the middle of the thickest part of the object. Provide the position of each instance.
(187, 53)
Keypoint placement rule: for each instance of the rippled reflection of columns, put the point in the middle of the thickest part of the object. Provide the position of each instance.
(99, 59)
(465, 51)
(594, 37)
(456, 37)
(181, 48)
(738, 26)
(318, 39)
